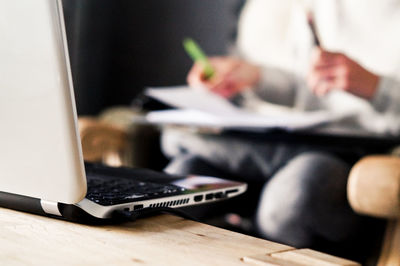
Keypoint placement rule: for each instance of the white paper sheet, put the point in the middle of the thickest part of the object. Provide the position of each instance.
(197, 99)
(204, 109)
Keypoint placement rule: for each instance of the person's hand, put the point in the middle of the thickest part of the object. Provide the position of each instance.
(335, 71)
(231, 76)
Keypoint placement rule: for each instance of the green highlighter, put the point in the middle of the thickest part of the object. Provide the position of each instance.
(195, 52)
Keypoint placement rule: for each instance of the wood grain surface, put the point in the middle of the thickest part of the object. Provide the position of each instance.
(28, 239)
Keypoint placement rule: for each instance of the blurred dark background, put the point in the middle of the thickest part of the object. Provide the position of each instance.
(119, 47)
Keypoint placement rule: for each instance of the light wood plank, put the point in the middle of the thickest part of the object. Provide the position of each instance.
(28, 239)
(267, 260)
(390, 255)
(312, 258)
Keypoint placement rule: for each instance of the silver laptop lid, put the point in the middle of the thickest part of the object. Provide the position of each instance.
(40, 154)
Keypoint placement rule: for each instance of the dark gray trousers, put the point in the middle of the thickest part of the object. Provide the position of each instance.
(303, 200)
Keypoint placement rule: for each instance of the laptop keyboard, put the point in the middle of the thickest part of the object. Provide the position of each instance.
(106, 190)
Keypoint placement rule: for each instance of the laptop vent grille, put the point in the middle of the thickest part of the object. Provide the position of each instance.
(169, 203)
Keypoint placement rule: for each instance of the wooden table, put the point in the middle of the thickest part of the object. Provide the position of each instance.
(28, 239)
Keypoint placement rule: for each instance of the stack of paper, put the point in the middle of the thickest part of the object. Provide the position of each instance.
(204, 109)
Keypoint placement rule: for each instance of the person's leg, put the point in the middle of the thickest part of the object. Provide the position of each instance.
(305, 204)
(186, 164)
(237, 157)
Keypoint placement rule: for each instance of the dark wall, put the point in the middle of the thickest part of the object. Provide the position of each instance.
(119, 47)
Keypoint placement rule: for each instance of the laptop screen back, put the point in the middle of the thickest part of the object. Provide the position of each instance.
(40, 152)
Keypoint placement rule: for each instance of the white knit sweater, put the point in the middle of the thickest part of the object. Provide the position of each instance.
(275, 35)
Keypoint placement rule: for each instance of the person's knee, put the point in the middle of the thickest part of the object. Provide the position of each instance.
(295, 195)
(172, 142)
(321, 177)
(178, 142)
(190, 164)
(281, 215)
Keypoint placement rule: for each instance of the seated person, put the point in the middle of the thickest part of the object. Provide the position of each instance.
(303, 202)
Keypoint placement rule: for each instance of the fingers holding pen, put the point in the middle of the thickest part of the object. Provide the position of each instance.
(222, 67)
(325, 78)
(336, 71)
(321, 57)
(195, 76)
(231, 76)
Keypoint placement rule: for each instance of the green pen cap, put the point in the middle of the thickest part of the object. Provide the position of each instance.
(197, 54)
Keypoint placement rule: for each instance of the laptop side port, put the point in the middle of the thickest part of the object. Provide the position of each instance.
(198, 198)
(231, 191)
(218, 195)
(209, 196)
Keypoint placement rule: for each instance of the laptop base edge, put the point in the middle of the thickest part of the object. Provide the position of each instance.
(21, 203)
(68, 212)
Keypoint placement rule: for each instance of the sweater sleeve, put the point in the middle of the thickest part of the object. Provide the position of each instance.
(276, 86)
(386, 105)
(387, 97)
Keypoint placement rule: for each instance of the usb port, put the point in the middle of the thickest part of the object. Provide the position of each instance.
(231, 191)
(218, 195)
(209, 196)
(198, 198)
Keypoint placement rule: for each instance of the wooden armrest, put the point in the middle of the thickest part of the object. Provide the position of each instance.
(101, 141)
(374, 186)
(114, 138)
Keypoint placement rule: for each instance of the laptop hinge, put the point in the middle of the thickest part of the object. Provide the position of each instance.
(50, 207)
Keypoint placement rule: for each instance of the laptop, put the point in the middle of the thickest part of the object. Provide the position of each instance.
(41, 164)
